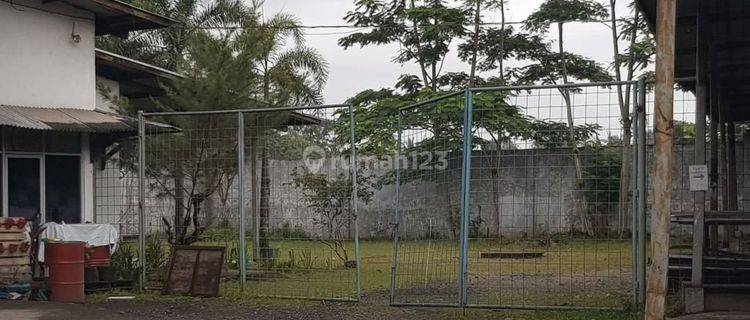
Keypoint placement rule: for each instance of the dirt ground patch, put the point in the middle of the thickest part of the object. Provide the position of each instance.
(204, 309)
(200, 310)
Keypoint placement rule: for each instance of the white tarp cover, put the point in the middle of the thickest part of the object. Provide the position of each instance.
(93, 234)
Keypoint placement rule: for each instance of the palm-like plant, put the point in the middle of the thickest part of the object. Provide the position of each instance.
(281, 70)
(168, 47)
(290, 74)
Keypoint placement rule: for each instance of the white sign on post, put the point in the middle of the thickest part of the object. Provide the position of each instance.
(698, 177)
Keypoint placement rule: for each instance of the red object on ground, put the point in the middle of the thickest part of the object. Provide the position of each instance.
(65, 262)
(97, 257)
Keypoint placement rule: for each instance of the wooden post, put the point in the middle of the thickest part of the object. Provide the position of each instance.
(656, 293)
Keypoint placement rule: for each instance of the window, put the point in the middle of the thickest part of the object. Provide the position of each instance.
(63, 189)
(24, 187)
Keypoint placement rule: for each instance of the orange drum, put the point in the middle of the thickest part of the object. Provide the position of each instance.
(65, 261)
(97, 257)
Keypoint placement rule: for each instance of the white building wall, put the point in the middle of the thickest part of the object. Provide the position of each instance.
(40, 64)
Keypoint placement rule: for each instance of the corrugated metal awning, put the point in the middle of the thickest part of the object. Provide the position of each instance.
(73, 120)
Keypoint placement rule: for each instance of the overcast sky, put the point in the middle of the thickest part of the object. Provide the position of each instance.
(356, 69)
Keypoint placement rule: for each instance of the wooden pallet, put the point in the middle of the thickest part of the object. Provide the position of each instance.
(13, 225)
(14, 236)
(14, 249)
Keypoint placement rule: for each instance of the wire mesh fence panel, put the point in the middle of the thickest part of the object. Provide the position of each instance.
(427, 237)
(190, 188)
(548, 177)
(550, 209)
(274, 187)
(299, 197)
(116, 188)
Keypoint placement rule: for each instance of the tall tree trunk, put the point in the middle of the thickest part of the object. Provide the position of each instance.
(625, 120)
(264, 248)
(179, 203)
(496, 190)
(501, 61)
(475, 40)
(266, 253)
(580, 208)
(422, 67)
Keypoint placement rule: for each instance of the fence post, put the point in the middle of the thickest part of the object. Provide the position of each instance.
(241, 197)
(396, 213)
(634, 228)
(641, 250)
(465, 194)
(353, 165)
(141, 200)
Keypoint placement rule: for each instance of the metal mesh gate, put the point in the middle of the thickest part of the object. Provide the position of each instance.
(274, 186)
(520, 197)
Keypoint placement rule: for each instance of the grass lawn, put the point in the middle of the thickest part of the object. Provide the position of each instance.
(570, 273)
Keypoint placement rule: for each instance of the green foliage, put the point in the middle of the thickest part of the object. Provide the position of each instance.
(549, 134)
(289, 232)
(125, 262)
(300, 259)
(330, 198)
(157, 255)
(424, 30)
(290, 146)
(166, 47)
(561, 11)
(684, 132)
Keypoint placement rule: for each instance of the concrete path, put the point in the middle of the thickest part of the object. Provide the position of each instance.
(716, 316)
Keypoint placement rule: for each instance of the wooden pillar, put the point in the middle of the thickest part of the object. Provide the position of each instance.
(656, 289)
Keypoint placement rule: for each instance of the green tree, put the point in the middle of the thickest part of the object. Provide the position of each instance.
(424, 30)
(636, 56)
(289, 74)
(330, 198)
(232, 59)
(193, 168)
(168, 47)
(478, 39)
(557, 67)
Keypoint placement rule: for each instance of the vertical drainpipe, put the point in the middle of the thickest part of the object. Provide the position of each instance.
(465, 197)
(141, 200)
(241, 197)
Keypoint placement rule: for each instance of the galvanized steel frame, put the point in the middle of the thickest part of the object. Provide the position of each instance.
(241, 182)
(638, 189)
